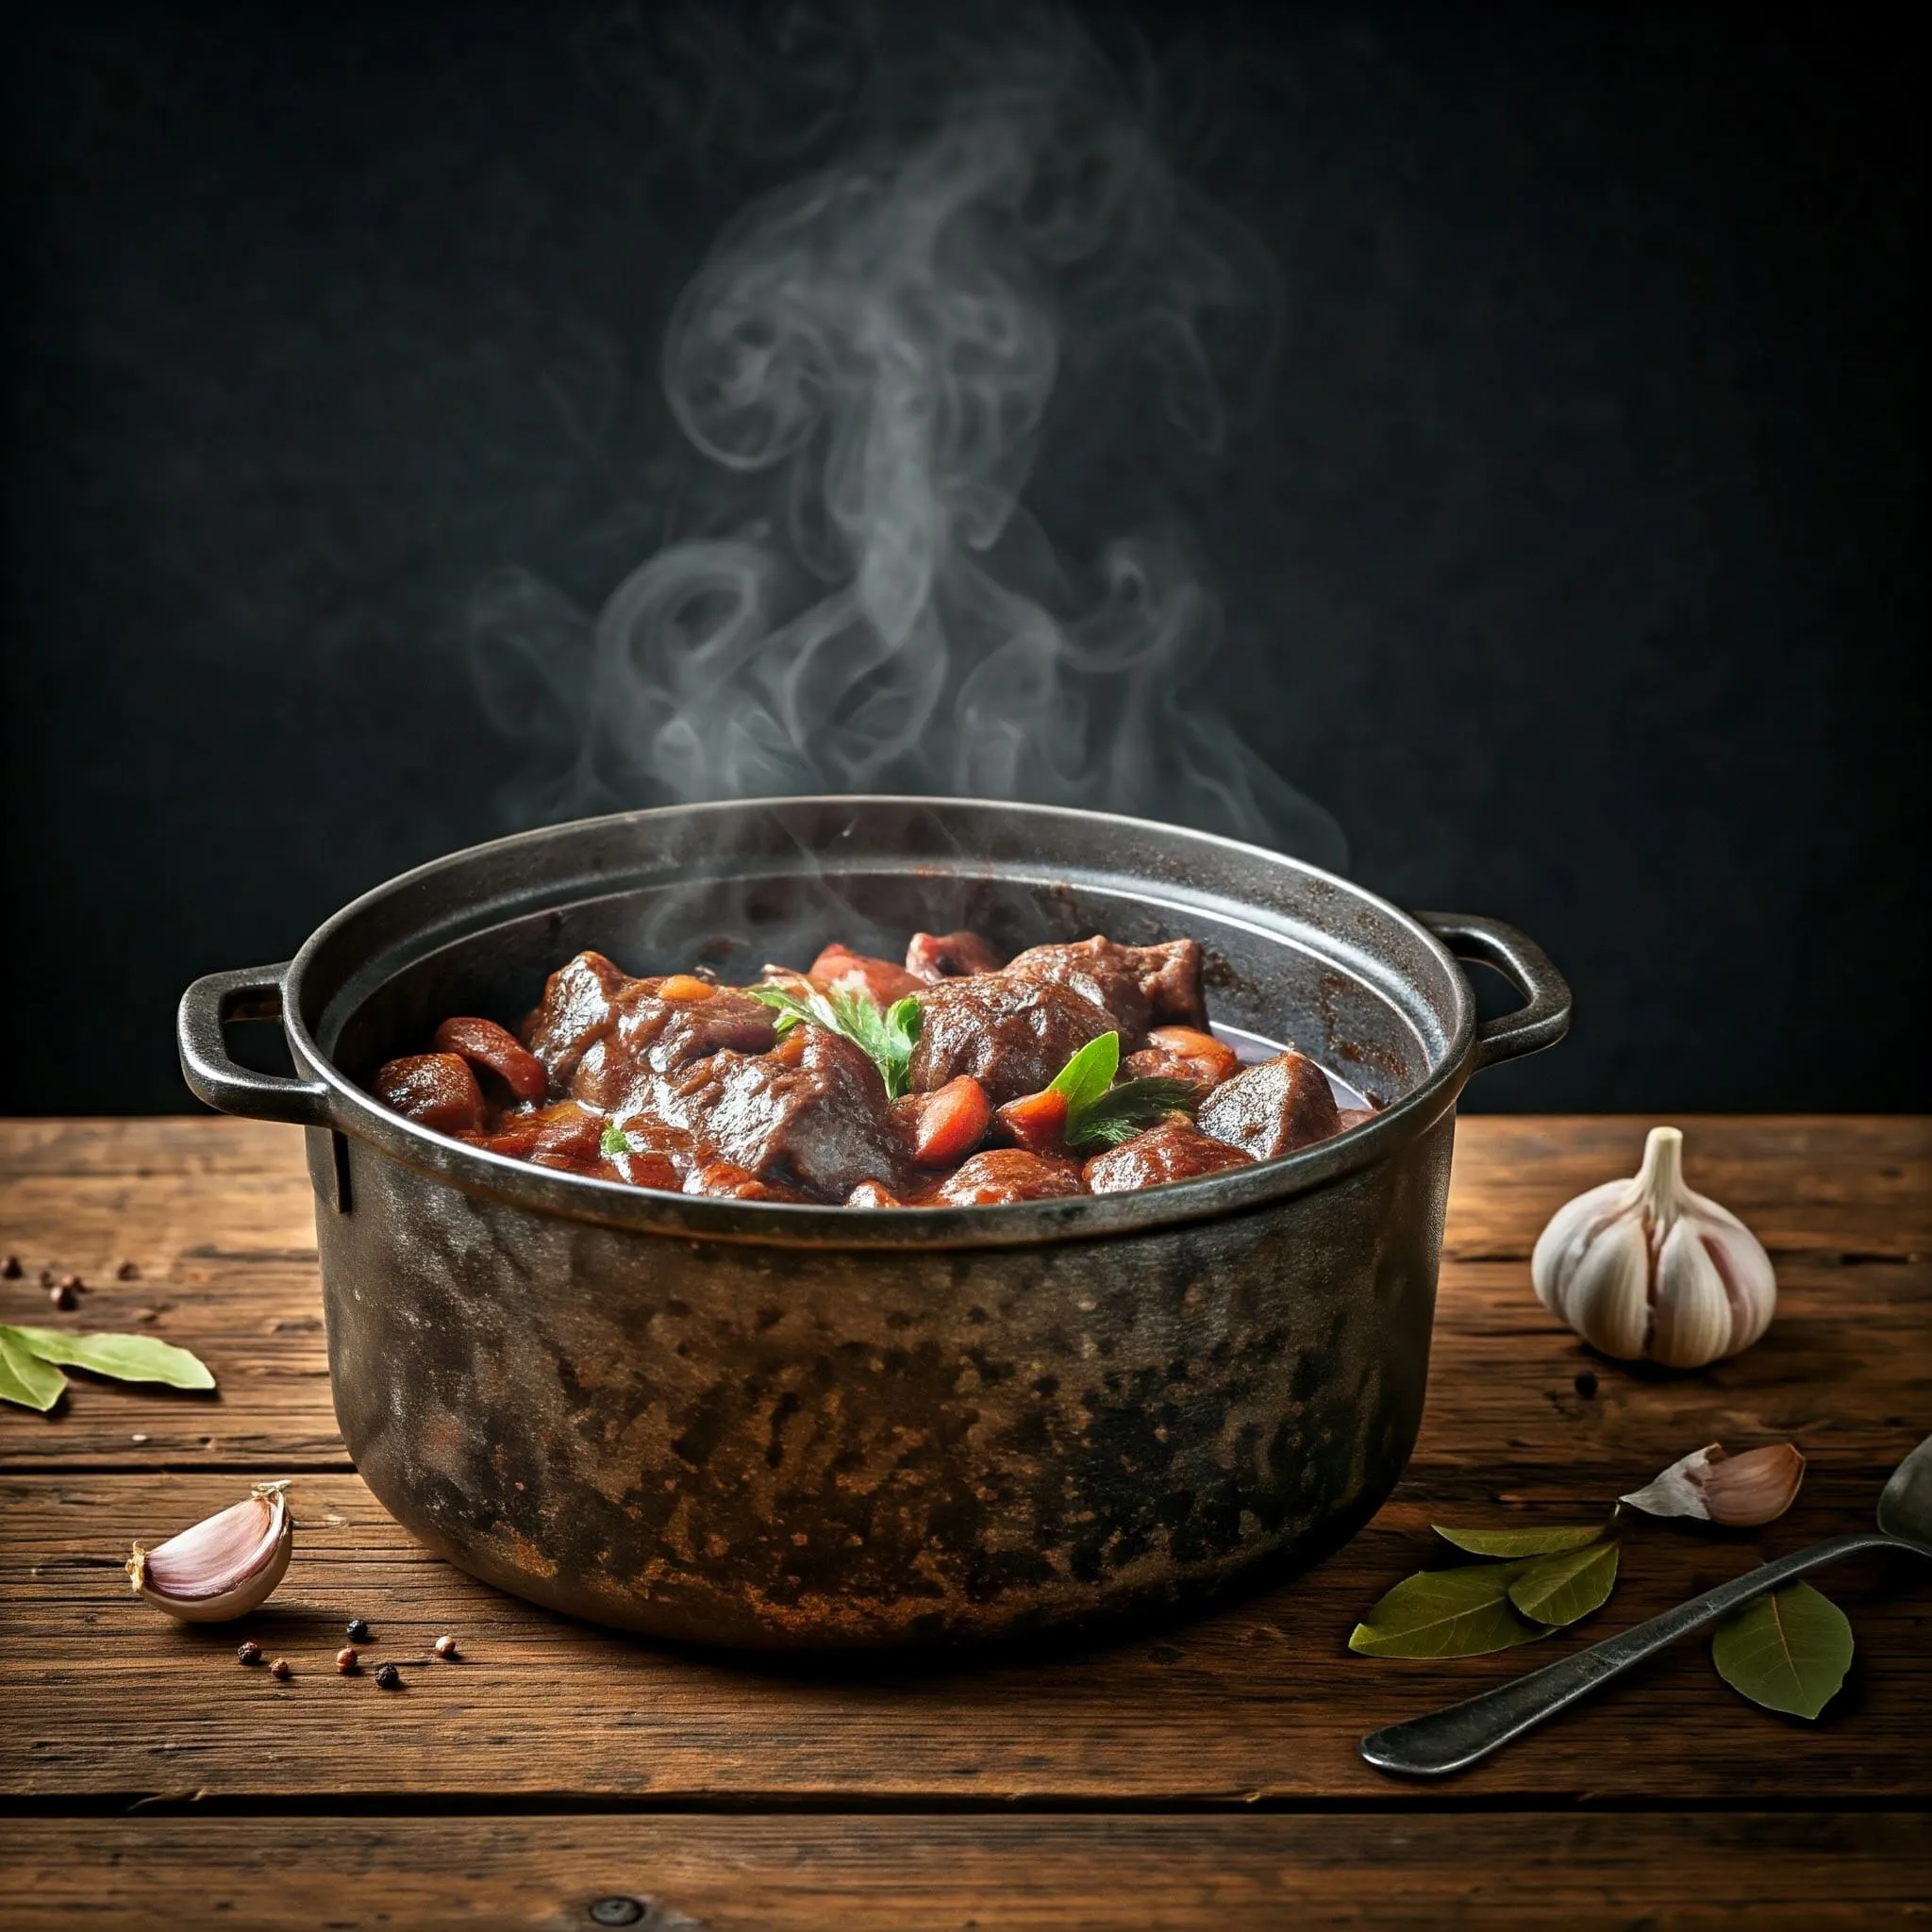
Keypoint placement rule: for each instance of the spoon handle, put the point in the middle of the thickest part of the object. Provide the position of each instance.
(1459, 1734)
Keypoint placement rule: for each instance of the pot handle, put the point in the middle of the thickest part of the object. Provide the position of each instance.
(1545, 1017)
(252, 993)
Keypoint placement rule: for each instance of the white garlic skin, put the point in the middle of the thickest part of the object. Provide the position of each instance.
(1646, 1270)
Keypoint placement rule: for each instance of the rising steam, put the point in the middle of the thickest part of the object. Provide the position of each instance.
(870, 361)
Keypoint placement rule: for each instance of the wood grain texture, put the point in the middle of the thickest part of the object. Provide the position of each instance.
(217, 1215)
(921, 1874)
(1259, 1699)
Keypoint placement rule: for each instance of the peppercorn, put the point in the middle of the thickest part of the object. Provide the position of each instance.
(446, 1647)
(388, 1678)
(10, 1268)
(280, 1668)
(61, 1295)
(1585, 1383)
(128, 1271)
(358, 1630)
(72, 1281)
(347, 1662)
(249, 1652)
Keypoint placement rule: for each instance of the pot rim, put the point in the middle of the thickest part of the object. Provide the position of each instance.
(786, 1223)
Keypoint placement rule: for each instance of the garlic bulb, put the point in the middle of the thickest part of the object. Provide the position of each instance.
(1644, 1269)
(222, 1567)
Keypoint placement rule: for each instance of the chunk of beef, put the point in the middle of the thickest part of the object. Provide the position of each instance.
(1174, 1151)
(1273, 1109)
(655, 1154)
(840, 966)
(578, 1008)
(722, 1180)
(1138, 984)
(435, 1089)
(652, 1036)
(934, 957)
(811, 1115)
(1003, 1174)
(1010, 1031)
(1183, 1053)
(560, 1135)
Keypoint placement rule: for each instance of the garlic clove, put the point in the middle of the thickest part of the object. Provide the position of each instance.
(1739, 1492)
(222, 1567)
(1564, 1240)
(1756, 1486)
(1648, 1268)
(1743, 1266)
(1606, 1293)
(1690, 1318)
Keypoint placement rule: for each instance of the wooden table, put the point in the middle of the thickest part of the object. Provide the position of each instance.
(1203, 1777)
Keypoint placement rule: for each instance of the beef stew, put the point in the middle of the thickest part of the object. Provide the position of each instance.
(951, 1080)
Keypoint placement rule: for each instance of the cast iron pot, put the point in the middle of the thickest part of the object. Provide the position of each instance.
(757, 1423)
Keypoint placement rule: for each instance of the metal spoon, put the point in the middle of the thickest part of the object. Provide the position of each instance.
(1459, 1734)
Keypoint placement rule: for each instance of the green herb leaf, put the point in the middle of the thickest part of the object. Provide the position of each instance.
(615, 1141)
(1127, 1109)
(1087, 1074)
(126, 1357)
(1561, 1588)
(23, 1380)
(1099, 1110)
(1463, 1612)
(1518, 1542)
(791, 1009)
(885, 1037)
(1788, 1651)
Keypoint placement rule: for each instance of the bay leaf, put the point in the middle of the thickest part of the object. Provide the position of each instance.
(1559, 1590)
(1519, 1542)
(1789, 1650)
(126, 1357)
(1462, 1612)
(24, 1382)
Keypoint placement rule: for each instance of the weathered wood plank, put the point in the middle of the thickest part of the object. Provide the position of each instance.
(145, 1147)
(1093, 1873)
(1838, 1184)
(216, 1214)
(1259, 1699)
(1503, 1378)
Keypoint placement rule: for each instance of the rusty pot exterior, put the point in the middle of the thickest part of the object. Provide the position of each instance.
(758, 1424)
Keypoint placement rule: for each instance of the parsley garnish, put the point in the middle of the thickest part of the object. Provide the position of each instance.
(885, 1037)
(1099, 1110)
(616, 1141)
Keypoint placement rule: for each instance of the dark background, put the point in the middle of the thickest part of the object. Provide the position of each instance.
(1577, 565)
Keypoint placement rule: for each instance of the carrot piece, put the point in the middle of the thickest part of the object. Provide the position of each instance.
(952, 1119)
(486, 1044)
(1037, 1122)
(685, 986)
(1205, 1059)
(879, 979)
